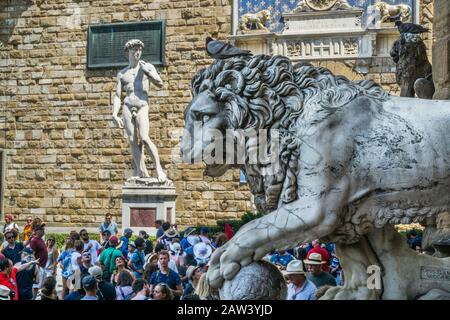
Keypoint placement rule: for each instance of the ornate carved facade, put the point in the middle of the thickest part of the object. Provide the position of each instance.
(357, 34)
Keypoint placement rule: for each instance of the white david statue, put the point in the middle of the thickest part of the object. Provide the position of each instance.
(135, 79)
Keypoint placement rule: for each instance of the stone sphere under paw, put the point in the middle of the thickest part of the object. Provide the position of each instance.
(259, 280)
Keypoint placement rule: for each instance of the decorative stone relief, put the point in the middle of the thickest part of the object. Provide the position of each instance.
(351, 46)
(254, 21)
(322, 5)
(326, 29)
(387, 12)
(358, 20)
(294, 48)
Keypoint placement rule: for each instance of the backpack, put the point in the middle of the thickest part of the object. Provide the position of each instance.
(126, 297)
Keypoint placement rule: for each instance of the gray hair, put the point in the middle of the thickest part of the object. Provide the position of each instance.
(133, 43)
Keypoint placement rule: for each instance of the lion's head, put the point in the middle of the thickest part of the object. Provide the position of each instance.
(257, 93)
(264, 16)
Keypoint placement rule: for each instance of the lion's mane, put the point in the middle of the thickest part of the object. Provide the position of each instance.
(268, 92)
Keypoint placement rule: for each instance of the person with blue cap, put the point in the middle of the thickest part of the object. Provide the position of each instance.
(90, 287)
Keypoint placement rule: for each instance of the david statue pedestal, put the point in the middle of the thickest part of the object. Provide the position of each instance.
(144, 198)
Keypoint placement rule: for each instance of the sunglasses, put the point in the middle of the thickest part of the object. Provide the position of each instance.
(10, 237)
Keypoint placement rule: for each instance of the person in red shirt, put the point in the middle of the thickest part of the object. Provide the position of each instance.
(323, 252)
(8, 274)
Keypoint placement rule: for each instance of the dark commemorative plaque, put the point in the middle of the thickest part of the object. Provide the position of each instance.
(106, 42)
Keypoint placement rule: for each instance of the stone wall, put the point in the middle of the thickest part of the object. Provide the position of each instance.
(441, 49)
(426, 20)
(65, 161)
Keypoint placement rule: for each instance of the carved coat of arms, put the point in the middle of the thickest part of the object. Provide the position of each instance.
(320, 5)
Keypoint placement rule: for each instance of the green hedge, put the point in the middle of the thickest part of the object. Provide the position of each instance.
(61, 238)
(405, 232)
(235, 224)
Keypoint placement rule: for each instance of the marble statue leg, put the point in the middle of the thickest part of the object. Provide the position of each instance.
(138, 156)
(405, 274)
(303, 220)
(144, 125)
(355, 259)
(407, 90)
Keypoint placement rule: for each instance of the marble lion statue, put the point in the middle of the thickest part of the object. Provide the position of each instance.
(353, 161)
(256, 20)
(388, 11)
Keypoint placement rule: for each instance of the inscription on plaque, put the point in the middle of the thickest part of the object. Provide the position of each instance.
(106, 42)
(433, 273)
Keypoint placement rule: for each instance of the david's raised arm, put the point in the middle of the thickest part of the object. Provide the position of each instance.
(151, 72)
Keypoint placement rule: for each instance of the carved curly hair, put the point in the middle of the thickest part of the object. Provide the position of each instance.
(268, 92)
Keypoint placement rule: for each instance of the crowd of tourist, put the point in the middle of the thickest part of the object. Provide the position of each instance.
(119, 268)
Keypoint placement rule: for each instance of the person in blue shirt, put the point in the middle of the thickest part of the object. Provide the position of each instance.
(166, 275)
(336, 269)
(331, 248)
(184, 242)
(414, 240)
(108, 225)
(158, 226)
(138, 259)
(281, 258)
(64, 260)
(125, 239)
(299, 287)
(13, 248)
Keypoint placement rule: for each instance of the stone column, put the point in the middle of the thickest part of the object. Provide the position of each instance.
(441, 76)
(441, 49)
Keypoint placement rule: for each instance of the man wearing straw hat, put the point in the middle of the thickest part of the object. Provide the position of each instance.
(299, 287)
(317, 275)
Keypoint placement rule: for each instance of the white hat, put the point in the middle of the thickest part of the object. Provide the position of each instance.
(193, 240)
(314, 258)
(171, 233)
(294, 267)
(175, 247)
(202, 250)
(190, 271)
(4, 292)
(74, 257)
(149, 257)
(96, 272)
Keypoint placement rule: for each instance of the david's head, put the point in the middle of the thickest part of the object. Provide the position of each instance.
(133, 49)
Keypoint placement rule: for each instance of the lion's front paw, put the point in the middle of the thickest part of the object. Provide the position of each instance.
(226, 262)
